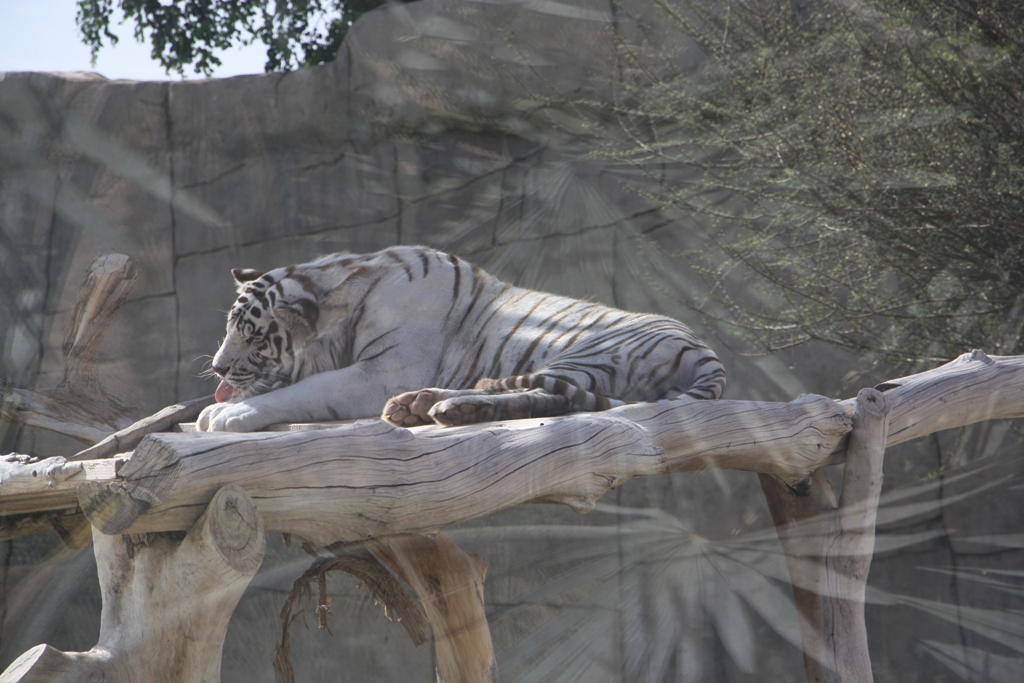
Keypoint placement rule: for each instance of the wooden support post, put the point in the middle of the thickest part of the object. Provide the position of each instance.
(166, 601)
(848, 559)
(450, 585)
(828, 549)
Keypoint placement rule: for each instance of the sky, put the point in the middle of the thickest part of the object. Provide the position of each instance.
(41, 35)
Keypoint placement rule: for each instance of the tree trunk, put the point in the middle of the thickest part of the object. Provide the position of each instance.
(370, 480)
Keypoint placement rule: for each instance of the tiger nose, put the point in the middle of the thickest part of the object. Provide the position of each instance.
(220, 370)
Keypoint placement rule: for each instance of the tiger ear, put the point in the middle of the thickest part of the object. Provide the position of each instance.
(299, 317)
(243, 275)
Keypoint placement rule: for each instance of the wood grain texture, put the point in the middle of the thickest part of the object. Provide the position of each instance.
(971, 388)
(128, 438)
(851, 544)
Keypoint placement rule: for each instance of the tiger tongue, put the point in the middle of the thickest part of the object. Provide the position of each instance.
(224, 392)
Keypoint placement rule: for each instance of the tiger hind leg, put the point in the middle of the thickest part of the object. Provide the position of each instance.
(491, 407)
(412, 408)
(451, 407)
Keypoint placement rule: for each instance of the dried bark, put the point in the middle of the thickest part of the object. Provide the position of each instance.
(126, 439)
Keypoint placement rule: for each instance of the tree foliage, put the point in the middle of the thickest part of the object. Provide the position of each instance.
(189, 33)
(861, 164)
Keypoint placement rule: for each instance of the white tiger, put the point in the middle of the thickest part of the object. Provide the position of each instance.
(335, 338)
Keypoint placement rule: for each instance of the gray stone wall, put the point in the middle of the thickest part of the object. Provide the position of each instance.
(441, 124)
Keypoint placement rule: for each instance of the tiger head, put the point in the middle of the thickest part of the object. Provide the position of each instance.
(274, 315)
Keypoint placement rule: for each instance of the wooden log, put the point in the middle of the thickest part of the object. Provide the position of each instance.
(971, 388)
(450, 585)
(803, 527)
(371, 479)
(166, 602)
(827, 565)
(28, 485)
(128, 438)
(36, 495)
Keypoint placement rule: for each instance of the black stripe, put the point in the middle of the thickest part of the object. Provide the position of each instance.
(678, 361)
(559, 386)
(587, 328)
(693, 394)
(371, 343)
(397, 259)
(473, 368)
(377, 355)
(496, 361)
(477, 288)
(555, 318)
(458, 282)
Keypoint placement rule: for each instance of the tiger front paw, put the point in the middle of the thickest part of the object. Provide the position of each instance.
(250, 415)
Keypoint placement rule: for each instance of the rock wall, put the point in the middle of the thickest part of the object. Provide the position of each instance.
(464, 126)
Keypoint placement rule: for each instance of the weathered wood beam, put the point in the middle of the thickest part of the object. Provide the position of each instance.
(166, 602)
(28, 485)
(371, 479)
(800, 522)
(971, 388)
(848, 558)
